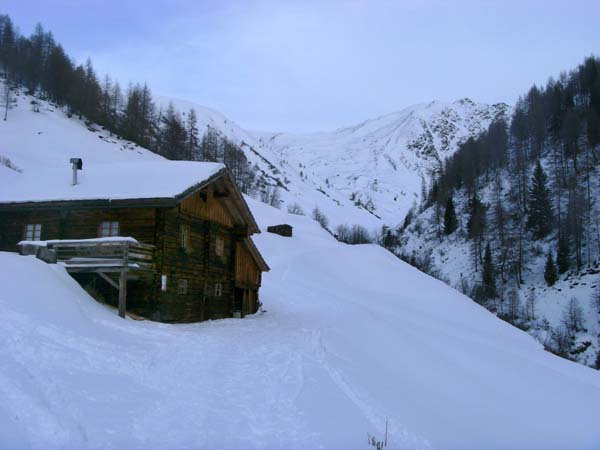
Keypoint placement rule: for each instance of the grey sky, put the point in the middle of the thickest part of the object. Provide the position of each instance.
(315, 65)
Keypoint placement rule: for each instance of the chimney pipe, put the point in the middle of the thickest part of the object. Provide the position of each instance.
(77, 164)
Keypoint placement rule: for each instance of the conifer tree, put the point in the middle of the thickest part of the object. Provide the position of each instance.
(477, 217)
(193, 142)
(173, 136)
(550, 271)
(489, 273)
(450, 221)
(476, 227)
(540, 216)
(562, 254)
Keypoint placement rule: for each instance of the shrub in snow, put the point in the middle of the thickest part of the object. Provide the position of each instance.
(596, 299)
(295, 208)
(320, 217)
(463, 286)
(573, 317)
(513, 304)
(376, 443)
(6, 162)
(561, 342)
(342, 233)
(357, 234)
(271, 196)
(530, 305)
(387, 238)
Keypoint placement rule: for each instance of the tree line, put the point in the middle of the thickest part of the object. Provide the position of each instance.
(527, 184)
(42, 67)
(538, 170)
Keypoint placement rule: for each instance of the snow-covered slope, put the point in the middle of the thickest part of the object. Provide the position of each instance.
(379, 164)
(45, 138)
(351, 337)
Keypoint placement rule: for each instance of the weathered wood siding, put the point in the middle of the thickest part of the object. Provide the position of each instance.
(206, 206)
(198, 264)
(247, 272)
(76, 224)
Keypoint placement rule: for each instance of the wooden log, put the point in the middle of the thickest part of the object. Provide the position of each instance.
(122, 293)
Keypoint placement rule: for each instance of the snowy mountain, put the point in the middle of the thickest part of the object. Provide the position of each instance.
(378, 165)
(368, 174)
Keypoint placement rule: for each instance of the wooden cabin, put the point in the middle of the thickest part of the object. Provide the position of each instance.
(175, 235)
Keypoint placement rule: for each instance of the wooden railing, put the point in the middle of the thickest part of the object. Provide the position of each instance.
(102, 256)
(114, 255)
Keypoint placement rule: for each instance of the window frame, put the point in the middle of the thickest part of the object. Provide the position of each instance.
(182, 286)
(219, 246)
(184, 236)
(218, 289)
(112, 228)
(32, 232)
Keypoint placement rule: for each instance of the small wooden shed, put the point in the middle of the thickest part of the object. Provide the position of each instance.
(282, 230)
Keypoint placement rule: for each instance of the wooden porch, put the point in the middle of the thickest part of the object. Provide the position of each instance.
(104, 257)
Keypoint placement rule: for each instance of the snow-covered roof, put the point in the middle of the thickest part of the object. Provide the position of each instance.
(108, 182)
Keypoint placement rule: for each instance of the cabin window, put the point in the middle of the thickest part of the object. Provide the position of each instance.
(182, 287)
(184, 236)
(33, 232)
(163, 283)
(109, 229)
(219, 246)
(218, 289)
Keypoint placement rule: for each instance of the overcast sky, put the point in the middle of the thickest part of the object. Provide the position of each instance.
(308, 66)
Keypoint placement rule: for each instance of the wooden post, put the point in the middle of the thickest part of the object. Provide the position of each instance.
(122, 293)
(123, 282)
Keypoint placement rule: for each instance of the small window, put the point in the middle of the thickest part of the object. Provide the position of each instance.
(33, 232)
(184, 236)
(182, 287)
(219, 246)
(109, 229)
(218, 289)
(163, 283)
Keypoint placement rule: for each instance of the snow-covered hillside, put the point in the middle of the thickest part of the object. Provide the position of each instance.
(351, 337)
(45, 138)
(379, 164)
(450, 258)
